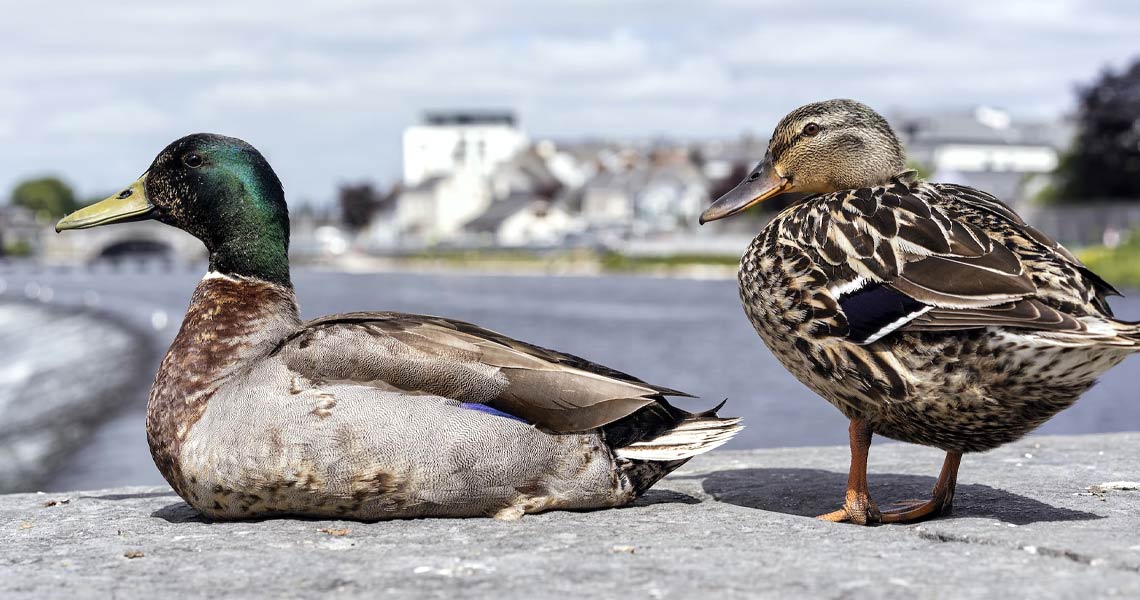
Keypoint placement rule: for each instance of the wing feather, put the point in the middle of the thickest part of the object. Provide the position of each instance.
(433, 355)
(963, 258)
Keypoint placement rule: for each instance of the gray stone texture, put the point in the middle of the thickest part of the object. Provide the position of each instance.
(1033, 519)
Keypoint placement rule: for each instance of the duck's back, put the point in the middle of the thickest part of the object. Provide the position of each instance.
(941, 247)
(1061, 278)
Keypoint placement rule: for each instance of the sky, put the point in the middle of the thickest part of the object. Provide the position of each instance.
(91, 91)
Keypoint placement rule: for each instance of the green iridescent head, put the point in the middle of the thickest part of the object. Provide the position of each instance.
(219, 189)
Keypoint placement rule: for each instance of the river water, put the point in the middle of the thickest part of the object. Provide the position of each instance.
(682, 333)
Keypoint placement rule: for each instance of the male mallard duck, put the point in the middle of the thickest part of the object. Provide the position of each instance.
(369, 415)
(925, 312)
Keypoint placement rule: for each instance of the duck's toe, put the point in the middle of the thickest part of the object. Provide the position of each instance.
(858, 508)
(911, 511)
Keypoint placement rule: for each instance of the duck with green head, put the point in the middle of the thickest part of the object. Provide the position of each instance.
(369, 415)
(925, 312)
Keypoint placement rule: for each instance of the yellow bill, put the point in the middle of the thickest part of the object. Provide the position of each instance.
(130, 204)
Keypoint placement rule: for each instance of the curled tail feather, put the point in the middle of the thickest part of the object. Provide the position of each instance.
(657, 439)
(695, 434)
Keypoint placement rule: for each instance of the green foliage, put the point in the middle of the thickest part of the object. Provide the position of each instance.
(1104, 162)
(562, 260)
(613, 261)
(48, 197)
(17, 249)
(923, 171)
(1119, 266)
(1047, 195)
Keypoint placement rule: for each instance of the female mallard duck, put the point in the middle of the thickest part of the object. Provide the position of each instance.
(369, 415)
(929, 313)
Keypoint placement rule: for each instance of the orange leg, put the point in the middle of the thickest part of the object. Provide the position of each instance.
(858, 507)
(940, 501)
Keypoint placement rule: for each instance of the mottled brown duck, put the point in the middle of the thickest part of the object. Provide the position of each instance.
(925, 312)
(369, 415)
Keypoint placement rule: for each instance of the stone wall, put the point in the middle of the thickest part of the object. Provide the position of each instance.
(62, 371)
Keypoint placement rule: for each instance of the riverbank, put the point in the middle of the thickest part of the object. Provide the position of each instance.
(63, 371)
(1049, 516)
(581, 263)
(1119, 265)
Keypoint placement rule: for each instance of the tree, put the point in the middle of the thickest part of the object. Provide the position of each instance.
(48, 197)
(360, 201)
(1104, 162)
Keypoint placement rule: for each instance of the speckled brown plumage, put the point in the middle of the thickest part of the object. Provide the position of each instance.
(929, 313)
(226, 324)
(1017, 328)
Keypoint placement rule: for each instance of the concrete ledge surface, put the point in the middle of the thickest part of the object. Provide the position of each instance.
(1044, 517)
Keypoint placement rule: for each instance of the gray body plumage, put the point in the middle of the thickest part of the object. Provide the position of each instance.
(339, 449)
(362, 416)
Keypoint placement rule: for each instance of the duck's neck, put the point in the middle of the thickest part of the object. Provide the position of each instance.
(231, 322)
(252, 248)
(248, 236)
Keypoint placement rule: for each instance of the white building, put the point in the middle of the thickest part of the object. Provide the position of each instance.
(522, 221)
(984, 148)
(450, 142)
(436, 209)
(652, 198)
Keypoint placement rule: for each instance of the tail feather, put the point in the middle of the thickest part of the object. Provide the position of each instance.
(1132, 331)
(695, 434)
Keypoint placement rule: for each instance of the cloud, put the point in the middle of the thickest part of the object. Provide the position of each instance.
(127, 118)
(325, 88)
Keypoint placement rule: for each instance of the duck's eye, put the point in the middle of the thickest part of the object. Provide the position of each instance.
(811, 129)
(192, 160)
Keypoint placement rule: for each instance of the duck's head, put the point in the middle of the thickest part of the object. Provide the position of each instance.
(816, 149)
(219, 189)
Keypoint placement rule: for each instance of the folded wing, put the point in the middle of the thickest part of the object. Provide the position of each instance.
(913, 256)
(432, 355)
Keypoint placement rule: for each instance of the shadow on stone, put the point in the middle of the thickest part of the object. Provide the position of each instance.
(180, 512)
(811, 492)
(665, 497)
(130, 496)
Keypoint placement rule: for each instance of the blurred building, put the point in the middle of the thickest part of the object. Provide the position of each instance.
(316, 233)
(451, 141)
(449, 161)
(21, 232)
(435, 209)
(521, 221)
(985, 148)
(543, 194)
(656, 192)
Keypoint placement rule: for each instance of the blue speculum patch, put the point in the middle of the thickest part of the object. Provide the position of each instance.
(875, 307)
(487, 409)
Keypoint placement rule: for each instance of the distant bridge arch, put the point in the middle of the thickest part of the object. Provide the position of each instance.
(127, 240)
(135, 247)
